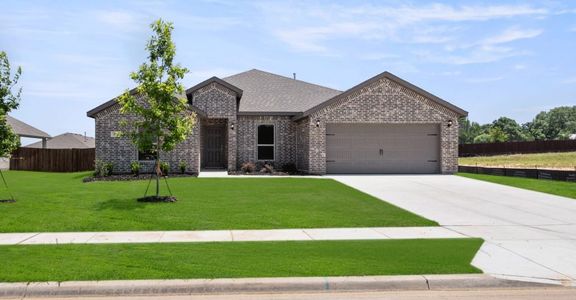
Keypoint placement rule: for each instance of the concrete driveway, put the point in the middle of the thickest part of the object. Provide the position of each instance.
(529, 235)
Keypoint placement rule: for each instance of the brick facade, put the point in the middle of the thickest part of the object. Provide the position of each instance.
(383, 102)
(121, 152)
(303, 141)
(300, 141)
(285, 139)
(219, 102)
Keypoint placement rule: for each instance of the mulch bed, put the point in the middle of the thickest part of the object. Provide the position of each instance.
(275, 173)
(128, 177)
(157, 199)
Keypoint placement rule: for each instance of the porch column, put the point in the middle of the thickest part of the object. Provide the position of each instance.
(232, 144)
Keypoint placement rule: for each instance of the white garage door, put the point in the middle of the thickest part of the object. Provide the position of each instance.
(382, 148)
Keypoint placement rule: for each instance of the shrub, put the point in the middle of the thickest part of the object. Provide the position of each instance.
(290, 168)
(248, 167)
(135, 167)
(164, 168)
(102, 168)
(182, 167)
(267, 168)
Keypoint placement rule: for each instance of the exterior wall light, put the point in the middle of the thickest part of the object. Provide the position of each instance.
(317, 123)
(450, 122)
(232, 126)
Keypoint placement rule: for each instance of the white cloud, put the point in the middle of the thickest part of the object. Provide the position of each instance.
(512, 34)
(490, 49)
(310, 38)
(310, 28)
(477, 55)
(442, 12)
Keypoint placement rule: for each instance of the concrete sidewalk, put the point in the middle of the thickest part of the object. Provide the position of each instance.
(228, 235)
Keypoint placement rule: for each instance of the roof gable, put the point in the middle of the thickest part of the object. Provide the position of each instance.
(214, 79)
(394, 79)
(25, 130)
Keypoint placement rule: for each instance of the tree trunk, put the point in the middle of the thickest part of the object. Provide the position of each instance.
(158, 173)
(158, 170)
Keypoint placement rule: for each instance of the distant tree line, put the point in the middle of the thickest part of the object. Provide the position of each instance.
(556, 124)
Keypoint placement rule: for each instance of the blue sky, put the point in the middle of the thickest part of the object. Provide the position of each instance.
(499, 58)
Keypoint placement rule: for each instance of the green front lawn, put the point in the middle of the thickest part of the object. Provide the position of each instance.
(554, 187)
(61, 202)
(560, 160)
(236, 259)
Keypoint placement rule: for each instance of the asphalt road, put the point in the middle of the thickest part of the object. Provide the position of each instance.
(508, 294)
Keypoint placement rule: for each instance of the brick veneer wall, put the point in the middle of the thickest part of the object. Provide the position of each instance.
(121, 152)
(383, 102)
(219, 102)
(303, 145)
(285, 139)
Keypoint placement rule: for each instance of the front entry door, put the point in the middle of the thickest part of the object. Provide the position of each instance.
(214, 142)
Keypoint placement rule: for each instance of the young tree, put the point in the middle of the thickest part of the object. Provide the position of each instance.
(9, 100)
(163, 118)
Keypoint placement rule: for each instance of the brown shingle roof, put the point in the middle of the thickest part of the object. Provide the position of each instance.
(25, 130)
(67, 141)
(264, 93)
(92, 113)
(267, 92)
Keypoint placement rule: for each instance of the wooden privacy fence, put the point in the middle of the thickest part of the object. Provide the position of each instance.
(465, 150)
(517, 172)
(53, 160)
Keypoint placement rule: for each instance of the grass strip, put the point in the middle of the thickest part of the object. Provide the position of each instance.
(554, 187)
(236, 259)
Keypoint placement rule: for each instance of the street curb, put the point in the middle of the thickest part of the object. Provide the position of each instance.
(247, 285)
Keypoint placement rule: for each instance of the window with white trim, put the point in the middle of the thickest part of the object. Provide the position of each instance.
(266, 138)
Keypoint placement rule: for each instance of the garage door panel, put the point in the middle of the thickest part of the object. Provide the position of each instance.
(382, 148)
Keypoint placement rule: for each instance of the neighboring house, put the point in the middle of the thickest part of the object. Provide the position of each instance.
(23, 130)
(382, 125)
(67, 141)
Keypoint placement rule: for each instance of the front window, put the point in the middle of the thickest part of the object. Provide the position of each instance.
(148, 155)
(266, 142)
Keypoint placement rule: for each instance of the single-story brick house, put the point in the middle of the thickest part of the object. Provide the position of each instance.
(382, 125)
